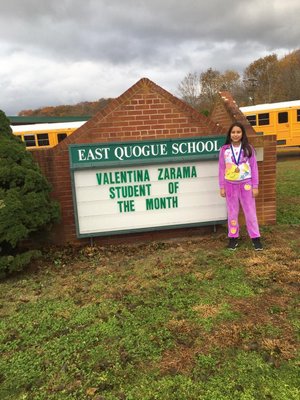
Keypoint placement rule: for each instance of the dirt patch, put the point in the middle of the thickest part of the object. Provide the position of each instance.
(256, 324)
(179, 360)
(263, 327)
(207, 311)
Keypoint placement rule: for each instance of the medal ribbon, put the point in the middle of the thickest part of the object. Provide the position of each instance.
(239, 155)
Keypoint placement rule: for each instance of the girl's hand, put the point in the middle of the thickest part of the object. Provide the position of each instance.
(254, 192)
(222, 192)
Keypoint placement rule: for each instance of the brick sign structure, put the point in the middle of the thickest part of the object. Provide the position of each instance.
(144, 167)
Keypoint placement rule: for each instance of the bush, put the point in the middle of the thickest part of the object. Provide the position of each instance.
(25, 204)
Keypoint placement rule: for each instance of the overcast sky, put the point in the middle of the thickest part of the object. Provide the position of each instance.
(65, 51)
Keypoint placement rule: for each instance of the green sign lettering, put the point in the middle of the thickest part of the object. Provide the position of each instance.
(158, 203)
(129, 191)
(100, 154)
(177, 173)
(126, 206)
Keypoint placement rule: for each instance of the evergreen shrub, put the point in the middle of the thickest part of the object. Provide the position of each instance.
(26, 208)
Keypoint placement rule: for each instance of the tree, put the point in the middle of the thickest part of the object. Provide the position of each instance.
(289, 68)
(261, 78)
(25, 204)
(189, 89)
(83, 108)
(265, 80)
(211, 83)
(201, 90)
(230, 79)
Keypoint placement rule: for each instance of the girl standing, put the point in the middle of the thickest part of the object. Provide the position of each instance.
(238, 181)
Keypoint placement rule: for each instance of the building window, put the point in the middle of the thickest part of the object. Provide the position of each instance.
(29, 140)
(252, 119)
(298, 115)
(283, 117)
(61, 136)
(43, 139)
(263, 119)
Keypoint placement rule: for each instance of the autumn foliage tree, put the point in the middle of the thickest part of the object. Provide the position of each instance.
(266, 80)
(289, 67)
(265, 73)
(25, 204)
(189, 89)
(85, 108)
(200, 90)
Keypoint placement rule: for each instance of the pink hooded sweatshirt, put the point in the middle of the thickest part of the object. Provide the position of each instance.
(245, 170)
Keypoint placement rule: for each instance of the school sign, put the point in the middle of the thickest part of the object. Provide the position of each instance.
(145, 165)
(146, 185)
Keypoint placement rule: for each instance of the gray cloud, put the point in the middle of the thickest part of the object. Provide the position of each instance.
(64, 51)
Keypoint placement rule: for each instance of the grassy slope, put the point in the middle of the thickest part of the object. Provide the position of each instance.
(174, 320)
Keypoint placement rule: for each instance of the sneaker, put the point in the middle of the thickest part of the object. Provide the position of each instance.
(233, 244)
(257, 244)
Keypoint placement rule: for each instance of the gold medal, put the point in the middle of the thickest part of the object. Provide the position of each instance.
(236, 160)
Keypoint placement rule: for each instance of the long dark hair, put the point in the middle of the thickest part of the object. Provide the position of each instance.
(244, 141)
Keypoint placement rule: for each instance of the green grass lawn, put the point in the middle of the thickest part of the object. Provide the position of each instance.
(174, 320)
(288, 192)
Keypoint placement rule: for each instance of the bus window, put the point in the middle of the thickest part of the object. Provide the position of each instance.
(61, 136)
(43, 139)
(283, 117)
(29, 140)
(298, 115)
(263, 119)
(252, 119)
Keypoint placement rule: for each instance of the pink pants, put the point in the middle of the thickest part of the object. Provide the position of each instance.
(236, 193)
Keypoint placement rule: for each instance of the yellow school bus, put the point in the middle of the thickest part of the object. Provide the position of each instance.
(282, 119)
(39, 136)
